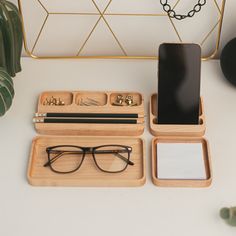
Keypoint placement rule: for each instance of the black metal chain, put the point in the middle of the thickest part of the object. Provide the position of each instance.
(172, 14)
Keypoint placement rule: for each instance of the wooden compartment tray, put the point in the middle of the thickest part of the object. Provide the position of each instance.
(74, 103)
(181, 182)
(88, 175)
(175, 130)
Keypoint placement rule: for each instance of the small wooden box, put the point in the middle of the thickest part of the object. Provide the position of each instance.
(179, 134)
(88, 135)
(72, 102)
(175, 130)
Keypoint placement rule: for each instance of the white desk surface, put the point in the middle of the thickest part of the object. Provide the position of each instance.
(147, 210)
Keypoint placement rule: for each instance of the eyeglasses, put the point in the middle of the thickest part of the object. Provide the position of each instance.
(66, 159)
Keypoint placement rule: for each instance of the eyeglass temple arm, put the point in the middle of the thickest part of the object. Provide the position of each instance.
(116, 153)
(124, 159)
(54, 159)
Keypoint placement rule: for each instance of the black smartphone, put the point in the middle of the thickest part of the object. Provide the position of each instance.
(179, 76)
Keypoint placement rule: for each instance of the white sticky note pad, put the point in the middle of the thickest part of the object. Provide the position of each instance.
(180, 161)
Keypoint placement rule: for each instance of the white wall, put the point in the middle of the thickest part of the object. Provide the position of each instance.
(228, 32)
(229, 23)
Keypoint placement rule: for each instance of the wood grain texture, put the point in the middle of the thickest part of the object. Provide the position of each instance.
(88, 175)
(185, 182)
(72, 105)
(175, 130)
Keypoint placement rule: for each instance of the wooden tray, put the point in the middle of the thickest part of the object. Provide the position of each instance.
(88, 175)
(182, 182)
(72, 102)
(175, 130)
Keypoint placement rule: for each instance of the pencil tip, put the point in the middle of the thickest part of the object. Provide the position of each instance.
(40, 115)
(37, 120)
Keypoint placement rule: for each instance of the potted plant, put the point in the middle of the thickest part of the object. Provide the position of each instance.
(11, 40)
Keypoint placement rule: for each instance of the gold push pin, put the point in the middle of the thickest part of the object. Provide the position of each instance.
(119, 100)
(54, 101)
(46, 102)
(61, 103)
(129, 101)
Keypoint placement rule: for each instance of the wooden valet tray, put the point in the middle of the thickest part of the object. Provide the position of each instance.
(72, 102)
(182, 182)
(88, 175)
(175, 130)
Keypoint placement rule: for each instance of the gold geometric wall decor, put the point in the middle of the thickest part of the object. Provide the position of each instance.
(115, 28)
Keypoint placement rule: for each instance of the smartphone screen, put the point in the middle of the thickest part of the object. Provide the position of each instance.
(179, 83)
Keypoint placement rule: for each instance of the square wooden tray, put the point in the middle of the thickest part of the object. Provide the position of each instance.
(88, 175)
(182, 182)
(72, 100)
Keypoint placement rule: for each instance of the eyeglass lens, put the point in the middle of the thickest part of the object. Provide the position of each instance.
(65, 159)
(112, 158)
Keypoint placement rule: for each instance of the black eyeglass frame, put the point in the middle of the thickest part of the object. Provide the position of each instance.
(89, 150)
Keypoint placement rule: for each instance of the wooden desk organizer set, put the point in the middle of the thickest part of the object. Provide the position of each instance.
(95, 134)
(74, 102)
(88, 135)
